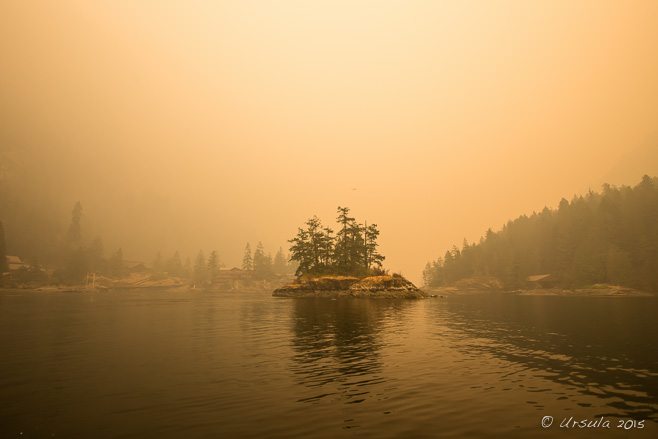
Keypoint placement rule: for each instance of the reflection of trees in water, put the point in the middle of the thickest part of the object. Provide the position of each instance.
(338, 343)
(605, 348)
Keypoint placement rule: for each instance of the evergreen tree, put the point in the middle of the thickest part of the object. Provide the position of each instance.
(247, 261)
(437, 277)
(320, 243)
(356, 249)
(76, 257)
(326, 247)
(342, 256)
(262, 264)
(300, 250)
(213, 265)
(200, 269)
(279, 266)
(74, 236)
(372, 256)
(427, 275)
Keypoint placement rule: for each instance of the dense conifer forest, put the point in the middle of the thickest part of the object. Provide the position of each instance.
(602, 237)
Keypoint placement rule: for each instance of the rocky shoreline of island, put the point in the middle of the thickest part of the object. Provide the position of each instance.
(386, 286)
(345, 287)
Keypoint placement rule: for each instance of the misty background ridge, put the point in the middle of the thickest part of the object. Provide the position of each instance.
(606, 236)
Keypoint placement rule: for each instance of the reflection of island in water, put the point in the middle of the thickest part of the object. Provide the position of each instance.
(602, 348)
(337, 345)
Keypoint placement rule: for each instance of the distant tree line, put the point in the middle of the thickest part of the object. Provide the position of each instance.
(607, 237)
(263, 266)
(202, 272)
(73, 260)
(352, 251)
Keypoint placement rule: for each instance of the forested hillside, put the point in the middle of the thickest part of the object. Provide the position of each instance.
(602, 237)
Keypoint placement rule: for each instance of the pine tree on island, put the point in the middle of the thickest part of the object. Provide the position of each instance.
(351, 252)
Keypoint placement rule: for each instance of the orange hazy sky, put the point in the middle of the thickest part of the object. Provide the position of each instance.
(207, 124)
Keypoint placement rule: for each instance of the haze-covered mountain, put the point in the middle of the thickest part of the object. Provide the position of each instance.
(601, 237)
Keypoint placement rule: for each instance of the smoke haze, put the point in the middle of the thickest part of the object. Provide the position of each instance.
(206, 125)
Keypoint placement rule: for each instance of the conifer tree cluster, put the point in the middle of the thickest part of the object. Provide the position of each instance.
(607, 237)
(352, 251)
(203, 272)
(80, 258)
(262, 265)
(173, 266)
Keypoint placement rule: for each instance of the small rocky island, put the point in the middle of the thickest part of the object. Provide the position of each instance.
(395, 287)
(347, 264)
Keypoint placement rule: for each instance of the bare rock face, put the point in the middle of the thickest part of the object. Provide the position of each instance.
(345, 286)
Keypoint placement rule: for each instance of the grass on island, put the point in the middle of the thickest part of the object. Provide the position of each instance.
(336, 281)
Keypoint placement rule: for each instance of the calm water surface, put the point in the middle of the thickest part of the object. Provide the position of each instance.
(246, 365)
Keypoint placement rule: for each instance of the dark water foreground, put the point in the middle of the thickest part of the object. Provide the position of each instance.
(246, 365)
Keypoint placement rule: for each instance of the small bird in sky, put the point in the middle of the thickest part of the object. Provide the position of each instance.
(353, 188)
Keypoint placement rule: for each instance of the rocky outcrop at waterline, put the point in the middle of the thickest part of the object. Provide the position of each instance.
(395, 287)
